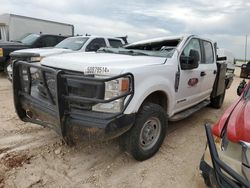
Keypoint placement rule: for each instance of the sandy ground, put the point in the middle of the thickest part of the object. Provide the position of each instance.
(33, 156)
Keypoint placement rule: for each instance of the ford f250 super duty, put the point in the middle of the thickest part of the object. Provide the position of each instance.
(131, 92)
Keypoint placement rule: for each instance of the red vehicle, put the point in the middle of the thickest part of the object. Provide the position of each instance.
(226, 161)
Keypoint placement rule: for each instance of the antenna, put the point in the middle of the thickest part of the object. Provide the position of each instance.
(246, 50)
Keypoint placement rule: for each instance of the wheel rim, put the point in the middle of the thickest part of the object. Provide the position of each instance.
(150, 133)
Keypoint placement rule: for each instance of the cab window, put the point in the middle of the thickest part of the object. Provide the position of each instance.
(50, 41)
(95, 44)
(115, 43)
(208, 52)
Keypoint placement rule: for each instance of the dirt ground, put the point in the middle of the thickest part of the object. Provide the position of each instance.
(33, 156)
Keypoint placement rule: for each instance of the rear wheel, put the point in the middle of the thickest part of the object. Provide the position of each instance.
(146, 136)
(217, 102)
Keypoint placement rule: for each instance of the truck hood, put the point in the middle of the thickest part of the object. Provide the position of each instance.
(237, 120)
(40, 51)
(11, 44)
(115, 63)
(238, 128)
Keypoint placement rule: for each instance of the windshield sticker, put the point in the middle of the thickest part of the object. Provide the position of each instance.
(97, 70)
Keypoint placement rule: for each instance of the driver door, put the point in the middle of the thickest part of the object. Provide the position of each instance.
(189, 88)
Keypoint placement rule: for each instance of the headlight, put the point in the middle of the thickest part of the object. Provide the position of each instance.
(1, 52)
(113, 89)
(36, 59)
(34, 74)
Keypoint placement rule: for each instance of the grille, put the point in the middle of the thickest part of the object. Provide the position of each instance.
(74, 87)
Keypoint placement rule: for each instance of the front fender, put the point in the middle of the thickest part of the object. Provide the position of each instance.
(147, 86)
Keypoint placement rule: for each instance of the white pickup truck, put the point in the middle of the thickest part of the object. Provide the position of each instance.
(131, 92)
(89, 43)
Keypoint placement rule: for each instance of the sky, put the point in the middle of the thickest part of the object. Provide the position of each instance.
(224, 21)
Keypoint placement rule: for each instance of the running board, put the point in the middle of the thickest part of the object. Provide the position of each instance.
(189, 111)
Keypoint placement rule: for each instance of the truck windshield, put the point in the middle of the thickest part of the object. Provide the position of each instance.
(29, 39)
(72, 43)
(168, 53)
(158, 48)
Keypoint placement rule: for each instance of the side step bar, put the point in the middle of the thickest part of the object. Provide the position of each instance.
(189, 111)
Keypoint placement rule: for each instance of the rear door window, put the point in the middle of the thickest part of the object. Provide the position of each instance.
(208, 52)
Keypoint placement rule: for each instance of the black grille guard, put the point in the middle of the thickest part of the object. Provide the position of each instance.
(57, 105)
(236, 181)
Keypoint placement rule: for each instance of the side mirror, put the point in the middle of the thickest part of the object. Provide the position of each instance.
(248, 67)
(191, 61)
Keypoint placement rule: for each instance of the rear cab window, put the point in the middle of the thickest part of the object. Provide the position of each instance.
(115, 43)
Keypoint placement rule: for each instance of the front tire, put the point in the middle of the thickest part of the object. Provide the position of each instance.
(145, 138)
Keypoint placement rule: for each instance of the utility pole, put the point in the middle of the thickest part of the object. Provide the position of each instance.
(246, 50)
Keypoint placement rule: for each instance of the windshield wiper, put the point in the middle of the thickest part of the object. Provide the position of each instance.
(133, 52)
(16, 41)
(105, 50)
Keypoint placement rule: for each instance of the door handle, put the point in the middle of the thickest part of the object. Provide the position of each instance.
(203, 73)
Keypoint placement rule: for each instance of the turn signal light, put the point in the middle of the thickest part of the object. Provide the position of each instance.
(125, 84)
(1, 52)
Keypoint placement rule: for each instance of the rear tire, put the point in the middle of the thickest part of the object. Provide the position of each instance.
(145, 138)
(217, 102)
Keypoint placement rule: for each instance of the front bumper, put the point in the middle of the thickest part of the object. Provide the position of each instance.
(57, 111)
(220, 175)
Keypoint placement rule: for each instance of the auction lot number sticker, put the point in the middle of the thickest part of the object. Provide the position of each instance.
(96, 70)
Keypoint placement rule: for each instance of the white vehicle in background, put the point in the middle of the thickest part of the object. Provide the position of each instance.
(71, 44)
(230, 59)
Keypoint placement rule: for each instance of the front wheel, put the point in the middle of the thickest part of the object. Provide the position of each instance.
(146, 136)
